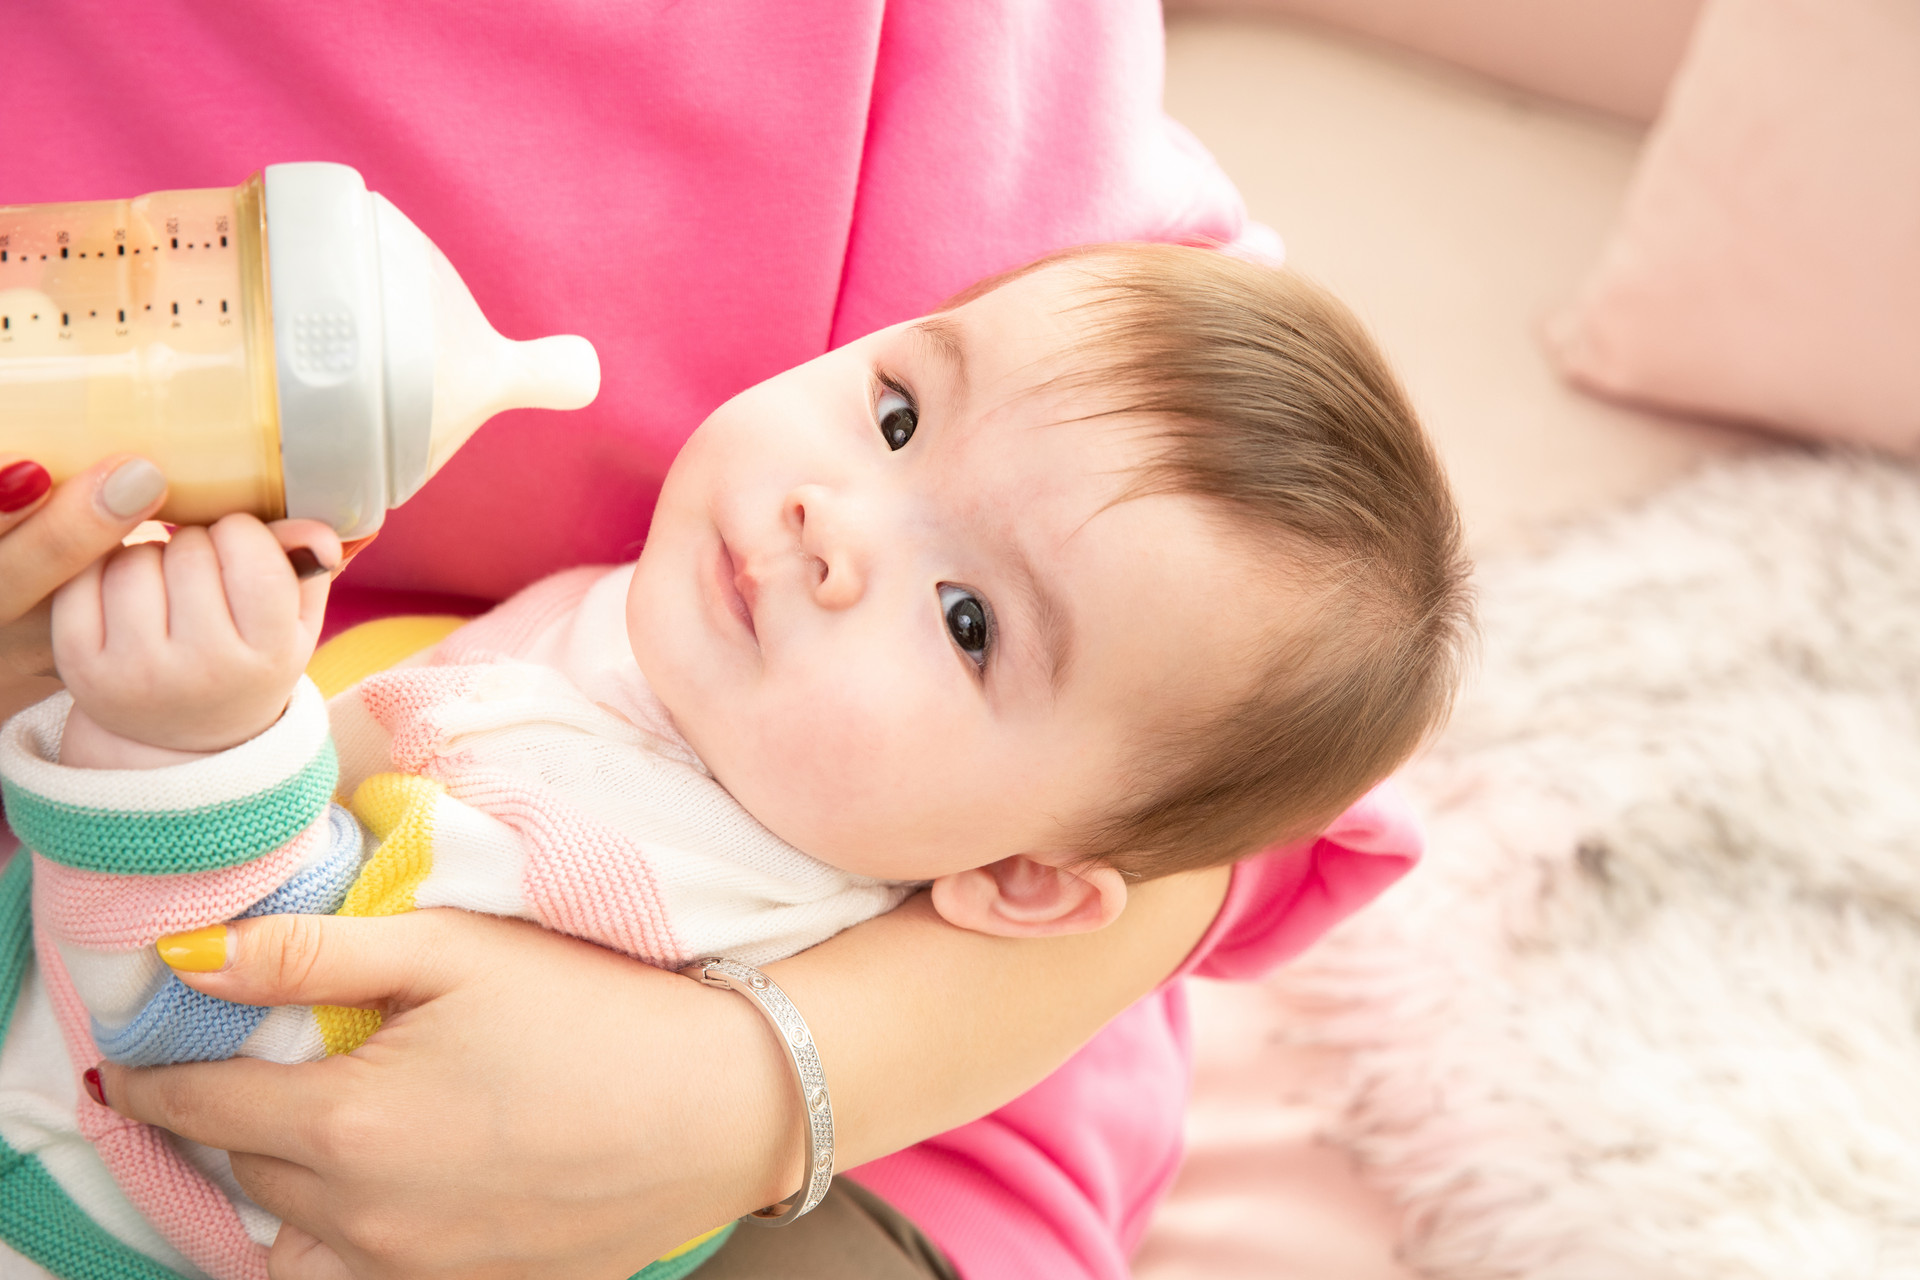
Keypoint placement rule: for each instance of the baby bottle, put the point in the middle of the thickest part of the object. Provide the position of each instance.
(293, 346)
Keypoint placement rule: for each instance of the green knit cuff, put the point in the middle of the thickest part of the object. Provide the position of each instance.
(170, 841)
(217, 811)
(686, 1263)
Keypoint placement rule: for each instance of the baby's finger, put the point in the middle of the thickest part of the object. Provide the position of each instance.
(79, 621)
(260, 586)
(196, 598)
(133, 597)
(314, 551)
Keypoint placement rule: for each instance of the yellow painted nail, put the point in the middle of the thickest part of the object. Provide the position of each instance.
(197, 951)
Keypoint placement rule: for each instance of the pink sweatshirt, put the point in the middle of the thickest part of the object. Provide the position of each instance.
(712, 193)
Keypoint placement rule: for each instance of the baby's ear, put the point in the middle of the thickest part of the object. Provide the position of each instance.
(1027, 897)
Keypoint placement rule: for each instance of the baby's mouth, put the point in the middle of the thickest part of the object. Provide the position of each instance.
(738, 589)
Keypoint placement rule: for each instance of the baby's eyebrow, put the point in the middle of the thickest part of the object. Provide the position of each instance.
(943, 336)
(1051, 620)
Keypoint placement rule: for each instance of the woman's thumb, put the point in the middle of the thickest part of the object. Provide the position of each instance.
(385, 962)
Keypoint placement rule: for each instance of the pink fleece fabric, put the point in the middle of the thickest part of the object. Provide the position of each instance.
(712, 193)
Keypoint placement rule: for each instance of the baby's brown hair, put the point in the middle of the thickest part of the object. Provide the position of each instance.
(1276, 405)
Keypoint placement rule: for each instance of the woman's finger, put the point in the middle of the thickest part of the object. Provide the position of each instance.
(291, 1192)
(83, 520)
(297, 1255)
(240, 1105)
(390, 962)
(24, 483)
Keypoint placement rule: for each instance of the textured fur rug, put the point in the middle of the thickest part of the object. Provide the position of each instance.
(1652, 1009)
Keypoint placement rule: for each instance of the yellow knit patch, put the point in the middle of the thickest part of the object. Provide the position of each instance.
(693, 1244)
(359, 652)
(397, 808)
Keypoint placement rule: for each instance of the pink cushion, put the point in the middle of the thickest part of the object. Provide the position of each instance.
(1767, 265)
(1614, 55)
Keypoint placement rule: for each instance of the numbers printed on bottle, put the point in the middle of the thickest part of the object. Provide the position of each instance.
(220, 226)
(173, 226)
(61, 238)
(120, 236)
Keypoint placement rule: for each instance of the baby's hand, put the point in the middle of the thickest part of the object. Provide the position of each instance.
(190, 647)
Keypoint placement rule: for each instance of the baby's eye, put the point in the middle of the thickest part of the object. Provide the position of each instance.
(897, 417)
(969, 622)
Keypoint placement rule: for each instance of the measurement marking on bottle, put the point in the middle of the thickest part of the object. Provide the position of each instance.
(123, 315)
(3, 255)
(223, 306)
(63, 252)
(223, 242)
(123, 250)
(176, 308)
(176, 242)
(63, 320)
(6, 322)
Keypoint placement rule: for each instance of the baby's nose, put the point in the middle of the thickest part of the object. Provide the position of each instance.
(831, 541)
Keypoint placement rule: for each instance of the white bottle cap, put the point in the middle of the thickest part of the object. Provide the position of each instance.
(385, 365)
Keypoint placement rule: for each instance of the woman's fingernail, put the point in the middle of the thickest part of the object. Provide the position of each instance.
(306, 564)
(132, 487)
(95, 1090)
(21, 485)
(197, 951)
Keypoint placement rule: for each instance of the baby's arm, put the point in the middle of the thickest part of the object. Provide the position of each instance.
(176, 788)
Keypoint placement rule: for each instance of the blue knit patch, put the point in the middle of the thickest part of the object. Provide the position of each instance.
(180, 1024)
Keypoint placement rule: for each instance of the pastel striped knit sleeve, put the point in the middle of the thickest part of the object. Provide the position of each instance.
(122, 857)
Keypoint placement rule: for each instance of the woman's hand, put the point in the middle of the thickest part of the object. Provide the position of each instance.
(534, 1105)
(47, 535)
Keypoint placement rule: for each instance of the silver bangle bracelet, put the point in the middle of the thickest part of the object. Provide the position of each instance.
(817, 1105)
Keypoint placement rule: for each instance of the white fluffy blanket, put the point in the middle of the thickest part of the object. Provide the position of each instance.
(1652, 1010)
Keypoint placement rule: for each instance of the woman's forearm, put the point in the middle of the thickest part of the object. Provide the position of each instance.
(922, 1027)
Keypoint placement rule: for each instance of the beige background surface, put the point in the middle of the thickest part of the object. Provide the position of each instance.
(1453, 214)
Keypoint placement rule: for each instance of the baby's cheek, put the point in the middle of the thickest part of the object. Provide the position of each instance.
(843, 778)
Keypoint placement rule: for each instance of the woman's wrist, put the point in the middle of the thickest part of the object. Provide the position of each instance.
(922, 1027)
(762, 1156)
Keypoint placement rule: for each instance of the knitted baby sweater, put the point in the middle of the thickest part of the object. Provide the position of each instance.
(524, 769)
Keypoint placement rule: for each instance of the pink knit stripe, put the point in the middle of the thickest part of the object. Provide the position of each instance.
(194, 1215)
(581, 877)
(404, 703)
(511, 628)
(125, 913)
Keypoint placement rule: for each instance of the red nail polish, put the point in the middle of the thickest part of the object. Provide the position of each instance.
(22, 484)
(91, 1078)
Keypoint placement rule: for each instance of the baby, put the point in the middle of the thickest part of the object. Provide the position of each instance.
(1130, 562)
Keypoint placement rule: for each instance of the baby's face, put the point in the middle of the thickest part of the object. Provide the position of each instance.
(894, 601)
